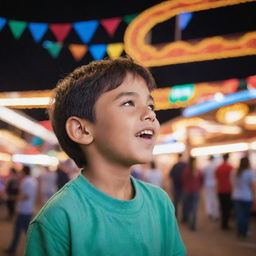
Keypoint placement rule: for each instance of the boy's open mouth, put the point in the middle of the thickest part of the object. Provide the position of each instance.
(145, 134)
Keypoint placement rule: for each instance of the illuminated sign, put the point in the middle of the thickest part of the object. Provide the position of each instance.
(214, 104)
(216, 47)
(181, 93)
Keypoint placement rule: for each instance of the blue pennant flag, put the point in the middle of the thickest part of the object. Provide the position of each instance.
(37, 30)
(2, 23)
(98, 51)
(86, 29)
(184, 19)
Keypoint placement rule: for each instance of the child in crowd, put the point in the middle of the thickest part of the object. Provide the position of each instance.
(103, 116)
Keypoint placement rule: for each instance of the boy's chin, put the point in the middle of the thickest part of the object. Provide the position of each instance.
(144, 159)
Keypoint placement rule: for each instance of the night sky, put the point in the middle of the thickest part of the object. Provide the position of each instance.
(26, 65)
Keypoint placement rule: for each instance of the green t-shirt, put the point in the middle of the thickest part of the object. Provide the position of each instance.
(80, 220)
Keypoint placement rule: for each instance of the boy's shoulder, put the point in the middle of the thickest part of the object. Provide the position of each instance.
(59, 204)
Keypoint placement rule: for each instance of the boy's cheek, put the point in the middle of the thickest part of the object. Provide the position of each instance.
(157, 127)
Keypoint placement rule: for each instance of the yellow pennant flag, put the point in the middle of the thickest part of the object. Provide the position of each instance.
(115, 50)
(78, 51)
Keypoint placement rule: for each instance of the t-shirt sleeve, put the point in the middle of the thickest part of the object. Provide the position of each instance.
(42, 242)
(178, 244)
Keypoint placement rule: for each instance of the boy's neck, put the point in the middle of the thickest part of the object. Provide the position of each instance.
(113, 180)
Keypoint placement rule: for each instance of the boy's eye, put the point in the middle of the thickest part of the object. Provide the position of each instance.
(151, 107)
(128, 103)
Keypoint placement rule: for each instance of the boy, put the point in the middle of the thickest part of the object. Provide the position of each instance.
(103, 116)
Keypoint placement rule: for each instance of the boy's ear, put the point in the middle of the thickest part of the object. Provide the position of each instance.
(79, 130)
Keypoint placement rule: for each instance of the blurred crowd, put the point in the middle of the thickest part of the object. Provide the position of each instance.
(227, 192)
(22, 193)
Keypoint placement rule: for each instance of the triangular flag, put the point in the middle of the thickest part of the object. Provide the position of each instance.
(37, 30)
(78, 51)
(111, 25)
(2, 23)
(184, 19)
(98, 51)
(115, 50)
(17, 28)
(86, 29)
(53, 48)
(60, 31)
(128, 18)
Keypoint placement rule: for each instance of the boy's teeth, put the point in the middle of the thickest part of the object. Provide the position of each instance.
(149, 132)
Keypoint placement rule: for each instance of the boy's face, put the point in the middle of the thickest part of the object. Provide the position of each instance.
(126, 127)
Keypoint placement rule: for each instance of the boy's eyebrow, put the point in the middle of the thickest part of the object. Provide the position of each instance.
(122, 94)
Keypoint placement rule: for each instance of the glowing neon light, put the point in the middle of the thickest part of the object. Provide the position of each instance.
(35, 159)
(219, 149)
(169, 148)
(182, 93)
(213, 104)
(22, 122)
(216, 47)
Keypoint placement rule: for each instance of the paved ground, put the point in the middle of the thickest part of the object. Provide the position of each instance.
(208, 240)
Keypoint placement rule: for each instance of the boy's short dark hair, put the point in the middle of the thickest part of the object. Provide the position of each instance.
(77, 93)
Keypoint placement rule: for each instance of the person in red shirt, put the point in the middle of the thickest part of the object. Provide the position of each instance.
(192, 180)
(223, 177)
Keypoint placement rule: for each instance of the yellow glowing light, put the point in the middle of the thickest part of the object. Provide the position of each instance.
(62, 156)
(251, 120)
(183, 123)
(232, 114)
(253, 145)
(10, 140)
(196, 139)
(5, 157)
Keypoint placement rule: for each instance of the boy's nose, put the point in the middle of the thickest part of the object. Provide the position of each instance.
(149, 115)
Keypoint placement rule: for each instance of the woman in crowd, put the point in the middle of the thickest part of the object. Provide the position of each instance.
(192, 180)
(244, 183)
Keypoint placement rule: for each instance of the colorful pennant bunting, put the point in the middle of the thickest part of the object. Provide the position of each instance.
(184, 19)
(115, 50)
(78, 51)
(17, 28)
(60, 31)
(2, 23)
(53, 48)
(37, 30)
(111, 25)
(129, 18)
(86, 29)
(98, 51)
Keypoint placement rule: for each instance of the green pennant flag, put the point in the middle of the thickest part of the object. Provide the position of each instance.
(128, 18)
(53, 48)
(17, 28)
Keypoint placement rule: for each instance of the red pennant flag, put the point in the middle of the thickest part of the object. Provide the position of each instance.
(111, 25)
(60, 31)
(47, 124)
